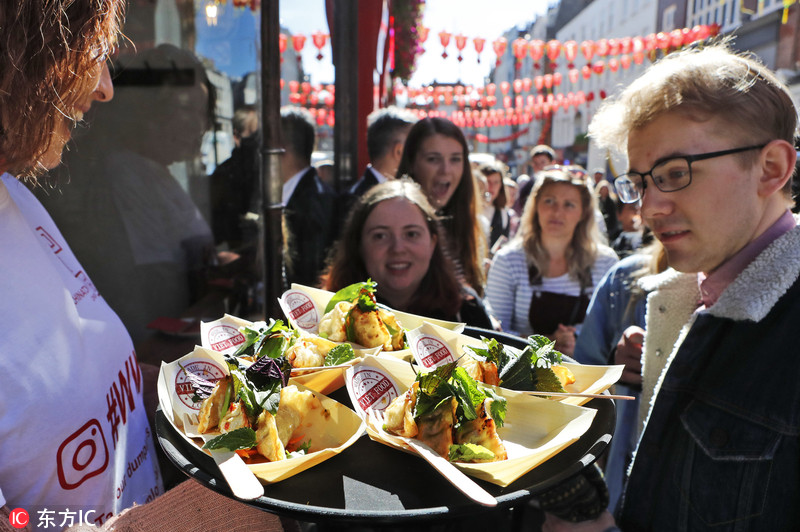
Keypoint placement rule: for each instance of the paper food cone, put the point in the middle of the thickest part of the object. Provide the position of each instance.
(224, 336)
(433, 346)
(330, 432)
(535, 429)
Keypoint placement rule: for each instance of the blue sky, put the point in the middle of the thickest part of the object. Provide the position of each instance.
(233, 45)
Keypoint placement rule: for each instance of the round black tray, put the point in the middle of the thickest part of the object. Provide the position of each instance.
(373, 484)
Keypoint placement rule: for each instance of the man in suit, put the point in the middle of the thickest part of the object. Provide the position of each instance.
(387, 130)
(308, 202)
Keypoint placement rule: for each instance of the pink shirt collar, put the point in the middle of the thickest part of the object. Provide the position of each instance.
(712, 285)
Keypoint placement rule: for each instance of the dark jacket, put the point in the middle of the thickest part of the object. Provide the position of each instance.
(721, 447)
(310, 228)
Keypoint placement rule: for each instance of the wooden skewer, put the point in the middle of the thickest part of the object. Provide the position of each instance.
(575, 394)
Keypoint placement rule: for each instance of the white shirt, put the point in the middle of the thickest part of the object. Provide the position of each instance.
(74, 435)
(509, 292)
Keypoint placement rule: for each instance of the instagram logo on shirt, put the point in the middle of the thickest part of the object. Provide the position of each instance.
(82, 456)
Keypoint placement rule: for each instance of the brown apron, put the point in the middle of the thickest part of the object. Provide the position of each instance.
(548, 309)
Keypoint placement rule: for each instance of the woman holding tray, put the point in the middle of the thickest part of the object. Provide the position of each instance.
(541, 282)
(76, 445)
(393, 236)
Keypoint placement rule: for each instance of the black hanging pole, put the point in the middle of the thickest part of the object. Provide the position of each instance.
(271, 151)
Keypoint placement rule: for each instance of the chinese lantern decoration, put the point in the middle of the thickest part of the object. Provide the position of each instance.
(601, 47)
(490, 89)
(538, 81)
(294, 85)
(625, 61)
(573, 75)
(319, 39)
(520, 49)
(527, 83)
(598, 67)
(587, 49)
(586, 71)
(625, 45)
(499, 46)
(676, 38)
(536, 49)
(613, 64)
(444, 38)
(570, 52)
(461, 43)
(298, 42)
(553, 48)
(557, 78)
(613, 47)
(504, 87)
(517, 86)
(479, 42)
(548, 81)
(638, 57)
(662, 41)
(283, 41)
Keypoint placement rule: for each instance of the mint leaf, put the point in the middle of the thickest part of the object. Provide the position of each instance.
(544, 353)
(469, 395)
(545, 380)
(339, 355)
(243, 438)
(350, 293)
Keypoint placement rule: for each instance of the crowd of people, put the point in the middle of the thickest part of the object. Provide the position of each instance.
(655, 270)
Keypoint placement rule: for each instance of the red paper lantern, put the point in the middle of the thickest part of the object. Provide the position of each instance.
(298, 42)
(283, 40)
(613, 64)
(444, 38)
(557, 78)
(490, 89)
(538, 81)
(638, 57)
(638, 44)
(517, 85)
(319, 39)
(536, 49)
(613, 47)
(294, 85)
(662, 41)
(601, 47)
(499, 45)
(570, 50)
(587, 49)
(504, 87)
(548, 81)
(573, 75)
(305, 87)
(527, 83)
(479, 42)
(553, 49)
(676, 38)
(461, 42)
(650, 42)
(598, 67)
(422, 32)
(520, 48)
(625, 61)
(506, 102)
(586, 71)
(625, 45)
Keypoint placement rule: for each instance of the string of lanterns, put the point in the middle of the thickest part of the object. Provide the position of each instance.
(523, 100)
(627, 48)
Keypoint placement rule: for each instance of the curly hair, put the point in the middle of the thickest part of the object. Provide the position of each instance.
(49, 50)
(583, 248)
(466, 240)
(439, 293)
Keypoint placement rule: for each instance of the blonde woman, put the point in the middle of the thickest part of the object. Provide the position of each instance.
(541, 282)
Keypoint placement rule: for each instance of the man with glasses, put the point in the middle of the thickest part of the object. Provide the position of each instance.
(710, 137)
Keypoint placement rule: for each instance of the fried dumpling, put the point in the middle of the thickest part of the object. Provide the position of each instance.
(482, 431)
(369, 329)
(268, 444)
(211, 410)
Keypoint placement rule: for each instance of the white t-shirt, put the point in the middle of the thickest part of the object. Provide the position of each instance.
(509, 291)
(75, 444)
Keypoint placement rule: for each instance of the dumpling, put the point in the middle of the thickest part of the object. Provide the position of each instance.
(211, 410)
(482, 431)
(332, 324)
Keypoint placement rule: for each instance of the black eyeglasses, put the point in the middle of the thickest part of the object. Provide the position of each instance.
(669, 175)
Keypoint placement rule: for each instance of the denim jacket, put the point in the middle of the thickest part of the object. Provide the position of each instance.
(720, 449)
